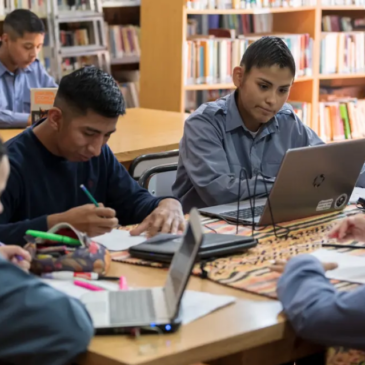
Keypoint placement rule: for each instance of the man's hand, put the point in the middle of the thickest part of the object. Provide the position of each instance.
(351, 228)
(12, 253)
(166, 218)
(279, 266)
(90, 219)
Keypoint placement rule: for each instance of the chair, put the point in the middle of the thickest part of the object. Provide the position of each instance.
(145, 162)
(158, 180)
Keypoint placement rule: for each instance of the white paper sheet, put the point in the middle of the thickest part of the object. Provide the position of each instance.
(196, 304)
(350, 268)
(119, 240)
(356, 194)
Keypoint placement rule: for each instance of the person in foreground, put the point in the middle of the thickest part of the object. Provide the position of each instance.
(39, 325)
(251, 128)
(20, 70)
(317, 311)
(50, 161)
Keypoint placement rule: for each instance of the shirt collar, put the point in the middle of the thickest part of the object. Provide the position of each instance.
(234, 120)
(4, 70)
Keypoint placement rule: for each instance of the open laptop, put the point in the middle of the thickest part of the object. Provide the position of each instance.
(118, 311)
(311, 181)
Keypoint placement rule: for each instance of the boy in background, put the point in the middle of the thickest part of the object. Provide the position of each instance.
(20, 70)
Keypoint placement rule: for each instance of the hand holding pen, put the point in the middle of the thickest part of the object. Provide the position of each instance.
(16, 255)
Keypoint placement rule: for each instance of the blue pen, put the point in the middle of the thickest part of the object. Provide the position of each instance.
(19, 258)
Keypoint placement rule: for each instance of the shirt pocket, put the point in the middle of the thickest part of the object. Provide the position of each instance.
(271, 168)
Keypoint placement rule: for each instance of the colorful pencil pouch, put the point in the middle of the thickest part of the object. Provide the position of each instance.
(51, 256)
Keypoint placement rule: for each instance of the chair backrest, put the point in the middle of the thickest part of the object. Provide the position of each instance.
(158, 180)
(142, 163)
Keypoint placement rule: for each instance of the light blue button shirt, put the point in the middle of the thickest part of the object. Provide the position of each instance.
(15, 93)
(216, 144)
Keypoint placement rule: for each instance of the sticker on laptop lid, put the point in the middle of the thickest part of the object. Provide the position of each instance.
(341, 201)
(324, 205)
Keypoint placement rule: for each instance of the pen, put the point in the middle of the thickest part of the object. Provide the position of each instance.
(19, 258)
(70, 275)
(123, 283)
(89, 286)
(342, 246)
(54, 237)
(87, 192)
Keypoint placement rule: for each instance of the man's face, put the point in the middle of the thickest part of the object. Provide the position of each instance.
(83, 137)
(24, 50)
(263, 92)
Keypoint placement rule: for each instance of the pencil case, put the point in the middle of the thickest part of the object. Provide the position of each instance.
(48, 256)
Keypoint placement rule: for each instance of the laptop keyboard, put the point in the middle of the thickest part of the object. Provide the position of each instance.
(245, 213)
(132, 306)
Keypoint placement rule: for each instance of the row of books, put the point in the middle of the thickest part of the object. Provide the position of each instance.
(195, 98)
(130, 91)
(124, 40)
(246, 4)
(335, 23)
(70, 64)
(341, 119)
(37, 6)
(342, 52)
(71, 5)
(77, 37)
(210, 59)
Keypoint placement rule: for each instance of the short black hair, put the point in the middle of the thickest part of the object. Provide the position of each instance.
(267, 52)
(90, 88)
(2, 150)
(22, 21)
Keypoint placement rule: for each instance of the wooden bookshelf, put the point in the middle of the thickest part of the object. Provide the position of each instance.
(162, 58)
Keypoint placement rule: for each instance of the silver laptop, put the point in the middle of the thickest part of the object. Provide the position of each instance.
(311, 181)
(117, 311)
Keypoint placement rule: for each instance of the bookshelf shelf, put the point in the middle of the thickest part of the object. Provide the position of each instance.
(124, 60)
(249, 11)
(341, 76)
(344, 8)
(120, 3)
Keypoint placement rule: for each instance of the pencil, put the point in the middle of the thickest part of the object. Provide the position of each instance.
(87, 192)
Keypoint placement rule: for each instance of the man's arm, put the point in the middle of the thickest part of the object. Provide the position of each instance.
(206, 164)
(10, 119)
(317, 311)
(40, 325)
(13, 233)
(131, 202)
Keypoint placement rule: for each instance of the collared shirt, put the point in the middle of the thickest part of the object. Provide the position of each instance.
(15, 93)
(317, 311)
(216, 145)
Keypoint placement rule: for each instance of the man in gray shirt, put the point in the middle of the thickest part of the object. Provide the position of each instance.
(251, 128)
(39, 325)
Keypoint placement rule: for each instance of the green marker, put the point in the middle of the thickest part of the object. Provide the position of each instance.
(87, 192)
(54, 237)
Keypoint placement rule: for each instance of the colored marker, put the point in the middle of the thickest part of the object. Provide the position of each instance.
(18, 257)
(54, 237)
(123, 283)
(87, 192)
(88, 286)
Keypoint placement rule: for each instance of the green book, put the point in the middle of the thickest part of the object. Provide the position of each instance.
(345, 119)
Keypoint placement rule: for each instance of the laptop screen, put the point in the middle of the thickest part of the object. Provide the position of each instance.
(182, 264)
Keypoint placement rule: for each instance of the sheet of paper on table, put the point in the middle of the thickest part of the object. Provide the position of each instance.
(119, 240)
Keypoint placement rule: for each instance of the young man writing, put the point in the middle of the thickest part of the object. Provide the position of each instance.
(251, 128)
(39, 325)
(20, 70)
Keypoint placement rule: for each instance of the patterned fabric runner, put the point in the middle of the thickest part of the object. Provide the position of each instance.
(250, 271)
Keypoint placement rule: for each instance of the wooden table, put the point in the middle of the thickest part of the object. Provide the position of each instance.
(140, 131)
(252, 332)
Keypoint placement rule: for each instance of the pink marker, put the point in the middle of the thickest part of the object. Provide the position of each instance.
(123, 283)
(87, 285)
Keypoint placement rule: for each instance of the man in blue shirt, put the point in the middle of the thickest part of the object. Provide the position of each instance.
(317, 311)
(251, 128)
(50, 161)
(20, 70)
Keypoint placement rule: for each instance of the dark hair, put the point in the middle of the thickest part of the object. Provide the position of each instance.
(22, 21)
(2, 150)
(90, 88)
(267, 52)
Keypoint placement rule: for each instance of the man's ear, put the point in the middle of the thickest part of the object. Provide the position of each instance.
(55, 118)
(5, 38)
(238, 75)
